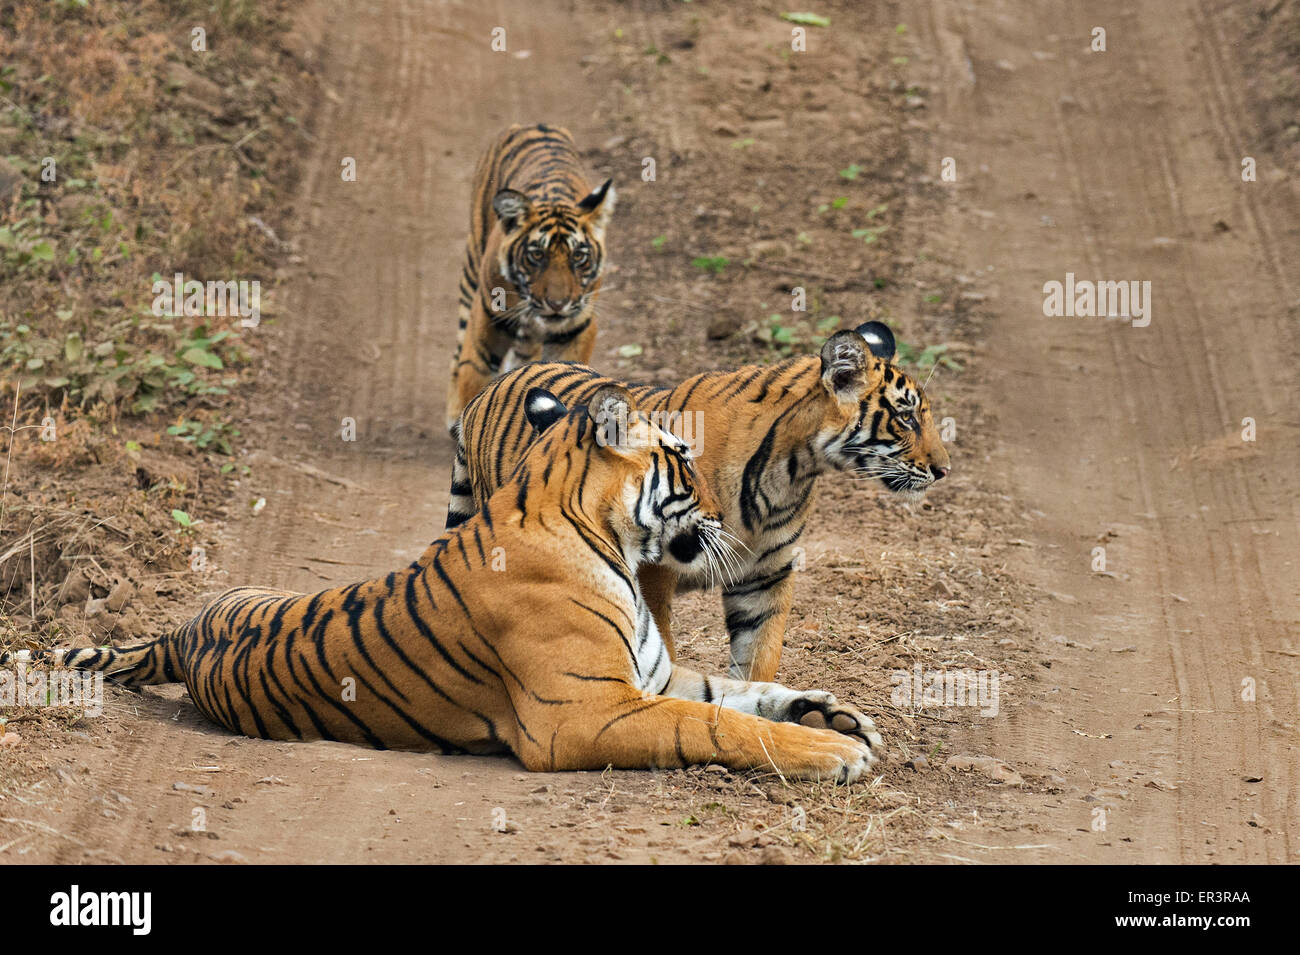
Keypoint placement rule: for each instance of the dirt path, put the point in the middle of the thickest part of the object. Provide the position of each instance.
(1124, 165)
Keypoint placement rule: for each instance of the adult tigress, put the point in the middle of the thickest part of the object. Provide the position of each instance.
(767, 432)
(517, 631)
(533, 260)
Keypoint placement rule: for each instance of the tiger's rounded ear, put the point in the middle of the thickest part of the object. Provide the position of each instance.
(543, 409)
(610, 408)
(599, 203)
(845, 366)
(511, 206)
(879, 339)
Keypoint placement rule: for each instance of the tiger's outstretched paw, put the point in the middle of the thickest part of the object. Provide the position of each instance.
(821, 710)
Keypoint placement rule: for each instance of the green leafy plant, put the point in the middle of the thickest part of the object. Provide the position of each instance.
(137, 361)
(214, 436)
(924, 359)
(716, 264)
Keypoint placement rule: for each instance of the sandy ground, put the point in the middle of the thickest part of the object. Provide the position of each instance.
(1125, 714)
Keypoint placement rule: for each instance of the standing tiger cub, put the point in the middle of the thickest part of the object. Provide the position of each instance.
(533, 260)
(520, 631)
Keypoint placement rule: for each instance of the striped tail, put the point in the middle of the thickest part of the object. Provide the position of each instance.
(157, 661)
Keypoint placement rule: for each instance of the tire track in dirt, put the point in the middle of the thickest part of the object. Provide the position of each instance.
(1102, 164)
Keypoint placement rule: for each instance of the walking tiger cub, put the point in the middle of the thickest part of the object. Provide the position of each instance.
(533, 260)
(517, 631)
(765, 433)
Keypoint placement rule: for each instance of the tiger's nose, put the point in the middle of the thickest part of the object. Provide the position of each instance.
(939, 472)
(556, 304)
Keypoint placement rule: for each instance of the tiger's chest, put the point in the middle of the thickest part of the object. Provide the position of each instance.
(651, 665)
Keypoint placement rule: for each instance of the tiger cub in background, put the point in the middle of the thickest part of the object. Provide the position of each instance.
(533, 260)
(765, 433)
(460, 652)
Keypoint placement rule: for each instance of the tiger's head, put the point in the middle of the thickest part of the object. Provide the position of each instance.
(877, 419)
(654, 499)
(552, 255)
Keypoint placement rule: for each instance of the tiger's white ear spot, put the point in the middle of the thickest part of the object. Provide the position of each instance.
(879, 339)
(510, 206)
(543, 409)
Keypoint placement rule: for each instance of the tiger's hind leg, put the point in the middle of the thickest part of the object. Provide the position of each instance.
(772, 701)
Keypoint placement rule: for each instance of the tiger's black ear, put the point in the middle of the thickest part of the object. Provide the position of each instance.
(543, 409)
(845, 365)
(511, 206)
(597, 196)
(879, 339)
(601, 202)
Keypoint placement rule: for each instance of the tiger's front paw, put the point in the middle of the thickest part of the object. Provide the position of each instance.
(821, 710)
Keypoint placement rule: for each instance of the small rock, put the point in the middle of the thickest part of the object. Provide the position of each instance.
(994, 769)
(119, 595)
(781, 795)
(774, 855)
(229, 857)
(917, 763)
(74, 589)
(723, 325)
(743, 839)
(129, 628)
(769, 248)
(77, 640)
(187, 788)
(196, 90)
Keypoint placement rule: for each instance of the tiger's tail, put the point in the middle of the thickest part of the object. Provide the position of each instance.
(156, 661)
